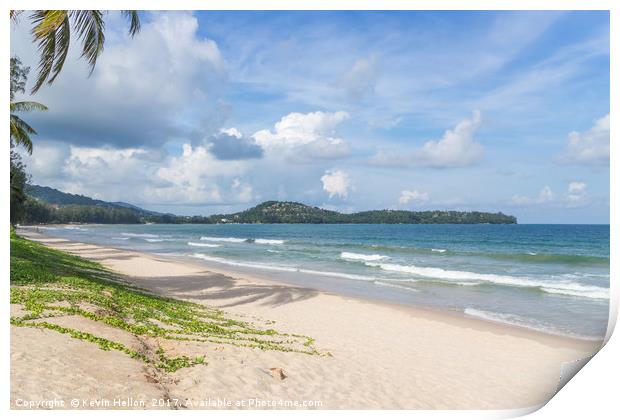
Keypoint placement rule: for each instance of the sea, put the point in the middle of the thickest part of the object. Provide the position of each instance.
(550, 278)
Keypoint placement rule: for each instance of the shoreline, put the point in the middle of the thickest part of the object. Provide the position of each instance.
(416, 309)
(384, 355)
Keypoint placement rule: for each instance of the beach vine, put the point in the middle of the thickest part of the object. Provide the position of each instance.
(49, 284)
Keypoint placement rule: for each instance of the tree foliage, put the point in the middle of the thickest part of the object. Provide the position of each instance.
(20, 131)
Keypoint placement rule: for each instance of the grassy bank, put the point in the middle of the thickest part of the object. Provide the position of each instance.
(48, 285)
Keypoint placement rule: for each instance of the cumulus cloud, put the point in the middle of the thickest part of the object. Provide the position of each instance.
(414, 196)
(544, 196)
(311, 135)
(336, 183)
(577, 194)
(143, 176)
(457, 148)
(192, 177)
(590, 147)
(230, 144)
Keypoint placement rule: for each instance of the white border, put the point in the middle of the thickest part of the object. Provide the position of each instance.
(592, 393)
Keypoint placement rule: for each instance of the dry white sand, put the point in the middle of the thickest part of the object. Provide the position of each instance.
(384, 356)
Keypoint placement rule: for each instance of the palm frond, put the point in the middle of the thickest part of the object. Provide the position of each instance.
(20, 133)
(14, 14)
(90, 28)
(47, 49)
(134, 21)
(26, 106)
(46, 21)
(63, 41)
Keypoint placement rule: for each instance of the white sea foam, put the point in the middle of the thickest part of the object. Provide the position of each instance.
(282, 268)
(121, 239)
(140, 235)
(219, 239)
(362, 257)
(243, 264)
(519, 321)
(153, 240)
(588, 292)
(269, 241)
(76, 228)
(468, 283)
(337, 274)
(395, 286)
(440, 250)
(566, 287)
(203, 244)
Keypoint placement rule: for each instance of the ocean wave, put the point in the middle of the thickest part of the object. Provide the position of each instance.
(567, 287)
(243, 264)
(120, 238)
(468, 283)
(519, 321)
(395, 286)
(337, 274)
(76, 228)
(586, 293)
(362, 257)
(203, 245)
(542, 258)
(525, 256)
(221, 239)
(282, 268)
(154, 239)
(269, 241)
(140, 235)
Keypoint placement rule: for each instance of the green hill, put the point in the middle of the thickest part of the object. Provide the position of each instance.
(292, 212)
(48, 205)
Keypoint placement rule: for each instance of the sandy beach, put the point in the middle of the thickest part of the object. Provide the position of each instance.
(376, 355)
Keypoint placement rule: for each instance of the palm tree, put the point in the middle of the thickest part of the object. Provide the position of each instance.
(52, 32)
(20, 130)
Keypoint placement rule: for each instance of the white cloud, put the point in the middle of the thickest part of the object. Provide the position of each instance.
(142, 176)
(577, 194)
(193, 176)
(544, 196)
(233, 132)
(336, 182)
(589, 147)
(407, 196)
(47, 159)
(457, 148)
(306, 135)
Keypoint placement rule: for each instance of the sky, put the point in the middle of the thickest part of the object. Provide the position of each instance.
(211, 112)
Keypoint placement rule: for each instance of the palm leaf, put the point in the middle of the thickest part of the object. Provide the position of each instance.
(134, 21)
(26, 106)
(47, 49)
(14, 14)
(63, 40)
(90, 28)
(20, 133)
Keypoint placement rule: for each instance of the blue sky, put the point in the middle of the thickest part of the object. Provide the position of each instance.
(216, 111)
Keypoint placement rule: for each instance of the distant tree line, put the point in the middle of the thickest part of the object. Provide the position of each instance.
(36, 211)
